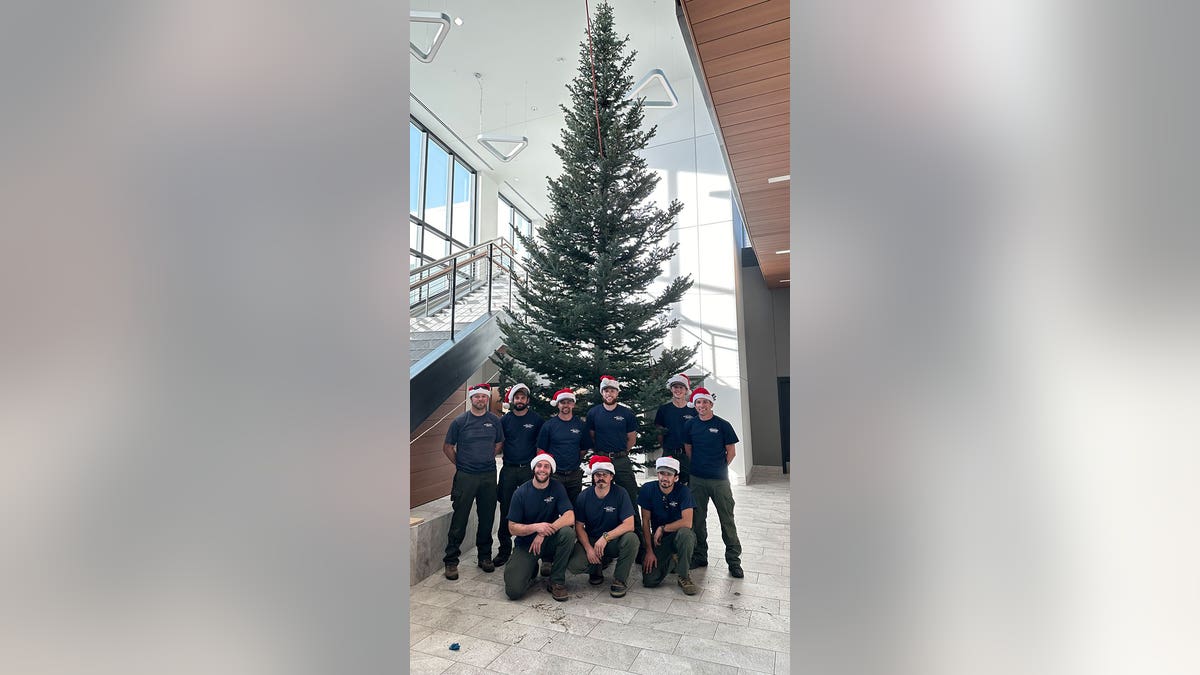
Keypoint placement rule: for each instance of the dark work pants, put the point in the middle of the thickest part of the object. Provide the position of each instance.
(522, 570)
(721, 493)
(685, 464)
(625, 478)
(481, 489)
(681, 542)
(511, 478)
(572, 481)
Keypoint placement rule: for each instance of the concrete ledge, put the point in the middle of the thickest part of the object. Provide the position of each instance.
(427, 538)
(764, 472)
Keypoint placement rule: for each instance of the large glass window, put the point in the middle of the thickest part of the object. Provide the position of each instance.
(512, 221)
(464, 202)
(437, 175)
(441, 209)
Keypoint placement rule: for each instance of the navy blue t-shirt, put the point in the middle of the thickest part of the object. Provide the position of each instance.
(601, 515)
(520, 435)
(475, 438)
(611, 427)
(531, 505)
(708, 441)
(665, 508)
(672, 419)
(565, 441)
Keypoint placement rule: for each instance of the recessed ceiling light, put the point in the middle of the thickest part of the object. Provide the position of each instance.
(786, 250)
(779, 179)
(458, 21)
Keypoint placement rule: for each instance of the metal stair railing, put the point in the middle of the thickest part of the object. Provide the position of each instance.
(444, 284)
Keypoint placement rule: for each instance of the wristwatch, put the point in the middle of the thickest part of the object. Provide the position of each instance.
(605, 535)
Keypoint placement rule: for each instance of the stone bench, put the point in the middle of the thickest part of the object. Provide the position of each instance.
(429, 526)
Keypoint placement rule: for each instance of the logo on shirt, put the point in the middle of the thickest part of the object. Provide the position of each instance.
(549, 499)
(688, 417)
(712, 431)
(528, 426)
(619, 418)
(574, 431)
(672, 504)
(487, 424)
(610, 509)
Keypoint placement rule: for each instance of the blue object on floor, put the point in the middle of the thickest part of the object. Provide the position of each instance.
(454, 647)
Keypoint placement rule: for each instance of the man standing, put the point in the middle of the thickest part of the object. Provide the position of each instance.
(603, 529)
(565, 437)
(671, 418)
(521, 427)
(709, 442)
(542, 518)
(472, 443)
(613, 428)
(667, 524)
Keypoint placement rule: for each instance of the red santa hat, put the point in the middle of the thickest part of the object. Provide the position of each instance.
(609, 381)
(543, 455)
(681, 379)
(601, 463)
(562, 395)
(482, 388)
(513, 390)
(701, 393)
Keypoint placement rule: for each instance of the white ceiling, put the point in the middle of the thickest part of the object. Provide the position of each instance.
(526, 51)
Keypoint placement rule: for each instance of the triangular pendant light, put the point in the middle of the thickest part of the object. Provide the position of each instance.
(489, 141)
(443, 27)
(654, 76)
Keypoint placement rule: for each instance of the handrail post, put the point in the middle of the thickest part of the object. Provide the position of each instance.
(453, 289)
(489, 264)
(511, 282)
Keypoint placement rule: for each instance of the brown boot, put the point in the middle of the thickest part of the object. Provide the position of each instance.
(688, 587)
(559, 591)
(451, 571)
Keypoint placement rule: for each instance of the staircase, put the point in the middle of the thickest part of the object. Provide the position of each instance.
(454, 304)
(427, 333)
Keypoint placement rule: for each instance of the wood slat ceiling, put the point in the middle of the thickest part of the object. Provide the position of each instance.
(742, 48)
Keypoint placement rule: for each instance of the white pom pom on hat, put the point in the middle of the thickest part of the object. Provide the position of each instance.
(701, 393)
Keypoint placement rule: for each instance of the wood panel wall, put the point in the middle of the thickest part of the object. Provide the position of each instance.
(430, 473)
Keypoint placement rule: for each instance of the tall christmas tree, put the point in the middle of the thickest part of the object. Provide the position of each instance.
(588, 310)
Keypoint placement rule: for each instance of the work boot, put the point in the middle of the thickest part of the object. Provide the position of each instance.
(617, 590)
(559, 591)
(546, 568)
(451, 571)
(688, 587)
(595, 575)
(487, 565)
(736, 571)
(697, 561)
(500, 559)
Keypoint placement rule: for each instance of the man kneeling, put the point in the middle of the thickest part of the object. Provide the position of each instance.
(541, 517)
(604, 529)
(667, 518)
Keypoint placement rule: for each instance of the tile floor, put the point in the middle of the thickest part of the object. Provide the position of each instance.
(732, 626)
